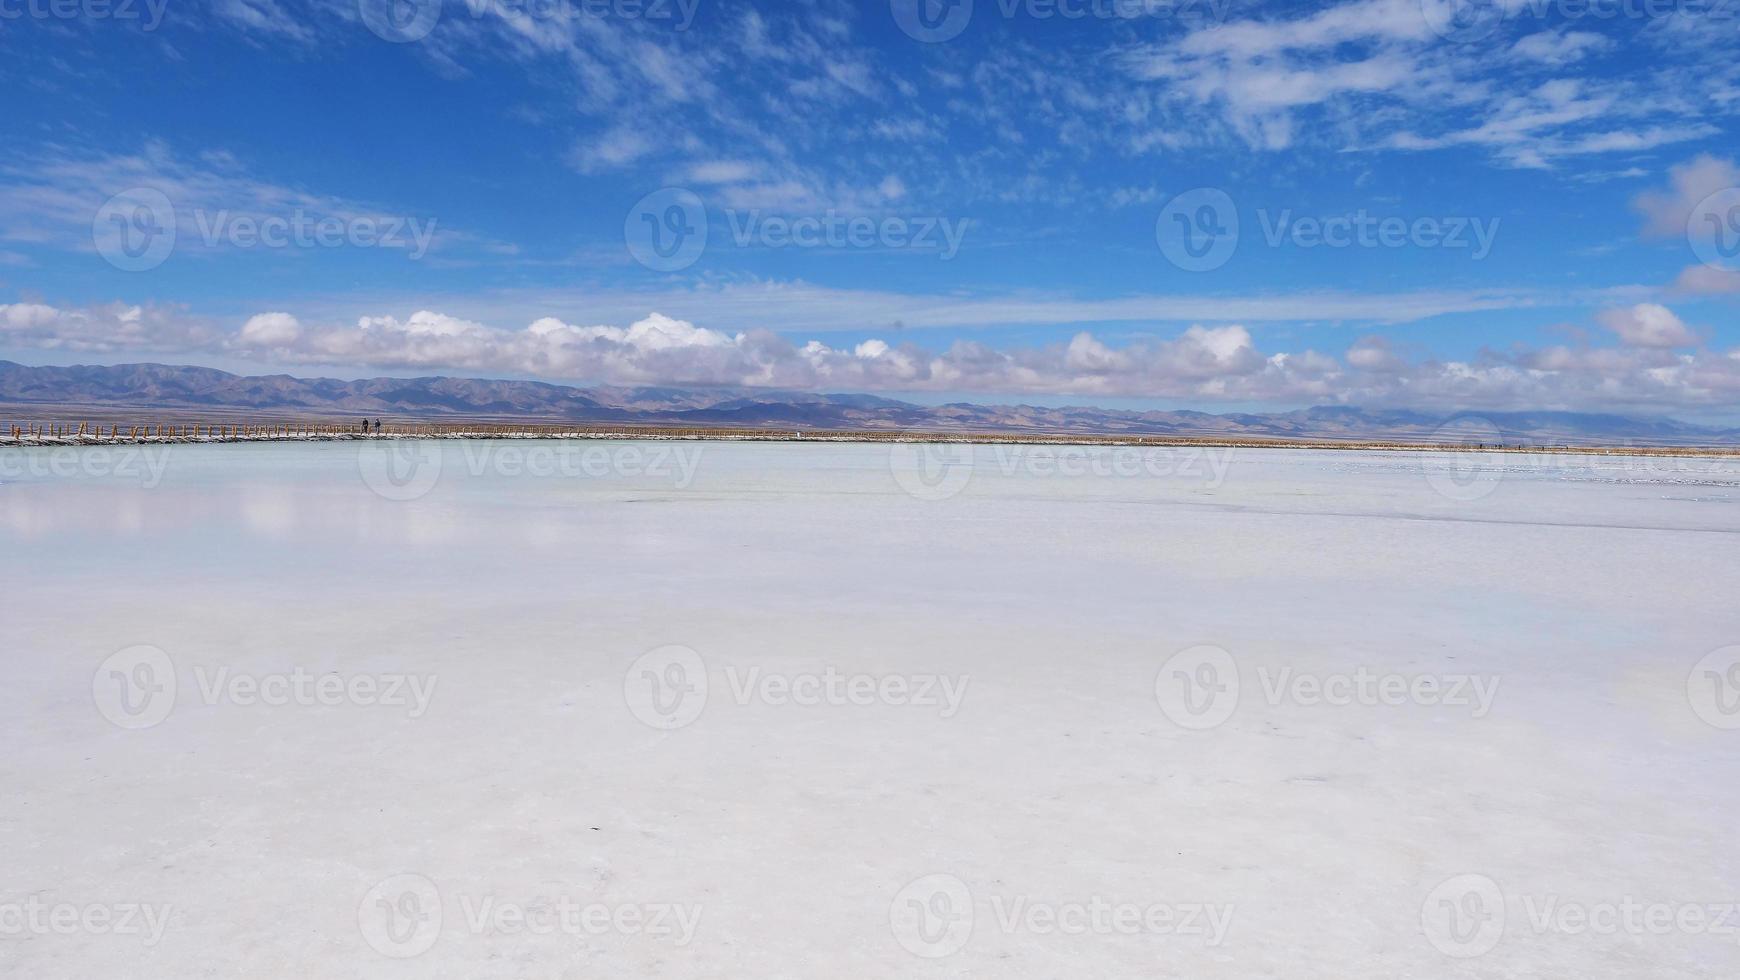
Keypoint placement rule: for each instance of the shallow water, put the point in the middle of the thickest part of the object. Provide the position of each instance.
(597, 647)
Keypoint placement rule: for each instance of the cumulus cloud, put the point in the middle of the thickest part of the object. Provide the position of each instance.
(1704, 280)
(1648, 325)
(106, 328)
(1651, 370)
(1666, 211)
(269, 330)
(1374, 354)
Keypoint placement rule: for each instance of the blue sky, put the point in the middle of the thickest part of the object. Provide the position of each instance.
(1514, 205)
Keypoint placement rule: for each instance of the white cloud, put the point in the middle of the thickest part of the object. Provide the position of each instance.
(1555, 48)
(110, 327)
(1374, 354)
(1201, 363)
(1704, 280)
(1373, 74)
(268, 330)
(264, 17)
(1648, 325)
(722, 172)
(611, 150)
(1666, 211)
(800, 90)
(51, 199)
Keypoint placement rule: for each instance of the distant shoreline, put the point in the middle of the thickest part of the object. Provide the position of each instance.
(414, 433)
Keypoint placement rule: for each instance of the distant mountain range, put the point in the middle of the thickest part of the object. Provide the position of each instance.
(32, 391)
